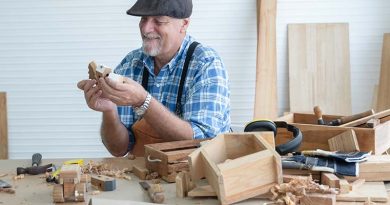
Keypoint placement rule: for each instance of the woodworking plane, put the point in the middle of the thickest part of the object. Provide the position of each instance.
(103, 183)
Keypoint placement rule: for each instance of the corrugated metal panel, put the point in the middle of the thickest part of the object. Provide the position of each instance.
(45, 47)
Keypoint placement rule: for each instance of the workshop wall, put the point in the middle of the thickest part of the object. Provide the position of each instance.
(45, 47)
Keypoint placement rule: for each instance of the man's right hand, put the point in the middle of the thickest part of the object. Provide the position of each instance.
(93, 96)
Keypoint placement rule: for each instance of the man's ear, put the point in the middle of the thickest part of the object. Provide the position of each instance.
(184, 25)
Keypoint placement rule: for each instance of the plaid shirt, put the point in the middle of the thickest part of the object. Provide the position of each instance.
(206, 95)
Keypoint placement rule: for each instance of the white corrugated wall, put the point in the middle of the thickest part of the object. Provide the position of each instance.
(45, 46)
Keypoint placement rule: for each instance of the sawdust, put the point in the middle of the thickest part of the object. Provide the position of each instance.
(18, 177)
(104, 169)
(290, 193)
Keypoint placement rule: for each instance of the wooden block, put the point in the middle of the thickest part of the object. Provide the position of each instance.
(330, 179)
(3, 126)
(344, 186)
(266, 70)
(345, 142)
(315, 53)
(318, 199)
(183, 184)
(140, 172)
(69, 189)
(181, 191)
(316, 175)
(373, 191)
(357, 183)
(287, 178)
(383, 101)
(376, 168)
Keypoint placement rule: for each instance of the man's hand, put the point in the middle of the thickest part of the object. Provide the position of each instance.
(129, 93)
(93, 96)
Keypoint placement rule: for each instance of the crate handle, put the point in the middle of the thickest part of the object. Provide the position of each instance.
(153, 160)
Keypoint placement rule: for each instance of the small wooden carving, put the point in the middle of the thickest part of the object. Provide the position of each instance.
(96, 71)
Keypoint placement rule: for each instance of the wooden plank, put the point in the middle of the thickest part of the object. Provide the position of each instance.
(202, 191)
(319, 64)
(318, 199)
(330, 179)
(374, 191)
(363, 120)
(345, 142)
(3, 126)
(383, 101)
(266, 70)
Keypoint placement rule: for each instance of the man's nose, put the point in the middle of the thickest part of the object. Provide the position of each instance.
(147, 26)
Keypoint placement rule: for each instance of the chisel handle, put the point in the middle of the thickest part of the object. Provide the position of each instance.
(36, 159)
(351, 118)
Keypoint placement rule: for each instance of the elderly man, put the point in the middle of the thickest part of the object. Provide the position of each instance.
(176, 88)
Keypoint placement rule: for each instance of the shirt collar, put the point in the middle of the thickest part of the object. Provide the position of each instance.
(149, 61)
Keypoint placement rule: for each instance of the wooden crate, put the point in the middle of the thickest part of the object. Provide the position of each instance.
(238, 166)
(169, 158)
(316, 136)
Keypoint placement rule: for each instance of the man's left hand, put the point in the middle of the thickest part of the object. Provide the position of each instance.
(129, 93)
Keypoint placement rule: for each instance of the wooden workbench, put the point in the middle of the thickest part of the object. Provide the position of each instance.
(35, 189)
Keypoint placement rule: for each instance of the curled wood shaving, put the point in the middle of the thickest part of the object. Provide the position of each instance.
(17, 177)
(3, 175)
(151, 176)
(131, 156)
(290, 193)
(104, 169)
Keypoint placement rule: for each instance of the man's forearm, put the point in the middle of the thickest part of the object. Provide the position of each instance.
(114, 134)
(166, 123)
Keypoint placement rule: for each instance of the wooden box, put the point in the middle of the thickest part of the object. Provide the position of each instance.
(316, 136)
(238, 166)
(169, 158)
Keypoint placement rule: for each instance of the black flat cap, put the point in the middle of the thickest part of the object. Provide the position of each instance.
(174, 8)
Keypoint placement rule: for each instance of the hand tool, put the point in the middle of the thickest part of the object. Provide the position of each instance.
(35, 168)
(103, 183)
(351, 118)
(155, 192)
(4, 184)
(318, 114)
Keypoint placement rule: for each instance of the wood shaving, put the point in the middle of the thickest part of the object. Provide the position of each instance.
(17, 177)
(290, 193)
(3, 175)
(151, 176)
(96, 192)
(156, 181)
(105, 169)
(131, 156)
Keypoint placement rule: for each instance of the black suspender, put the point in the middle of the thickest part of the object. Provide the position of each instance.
(145, 77)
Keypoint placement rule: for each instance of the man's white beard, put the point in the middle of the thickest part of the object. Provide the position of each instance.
(148, 47)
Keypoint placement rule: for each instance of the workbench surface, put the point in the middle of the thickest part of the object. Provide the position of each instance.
(34, 189)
